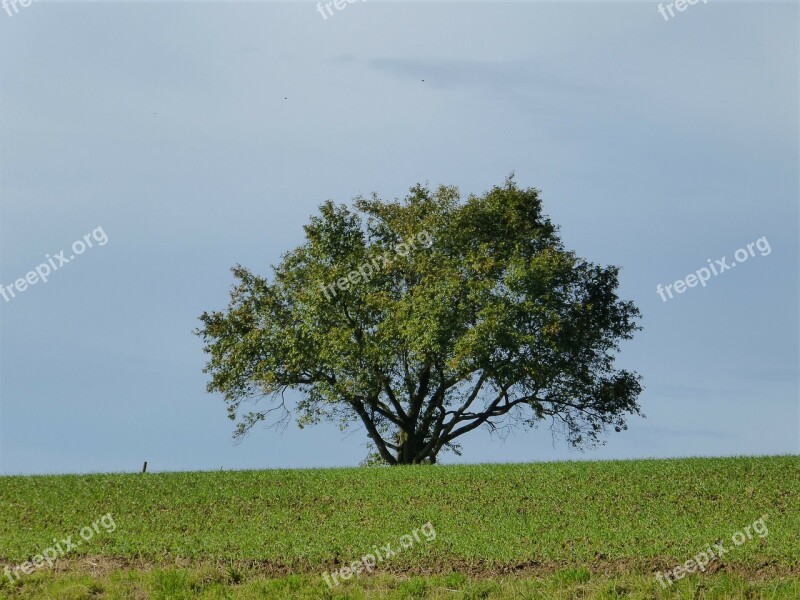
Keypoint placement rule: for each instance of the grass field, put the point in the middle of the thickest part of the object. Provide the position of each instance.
(547, 530)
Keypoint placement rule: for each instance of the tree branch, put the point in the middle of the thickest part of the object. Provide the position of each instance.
(373, 432)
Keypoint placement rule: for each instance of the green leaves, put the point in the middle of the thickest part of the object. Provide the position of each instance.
(392, 313)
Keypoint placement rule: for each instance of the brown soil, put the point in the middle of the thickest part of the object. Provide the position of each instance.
(100, 566)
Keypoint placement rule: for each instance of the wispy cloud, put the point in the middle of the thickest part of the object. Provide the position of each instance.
(513, 76)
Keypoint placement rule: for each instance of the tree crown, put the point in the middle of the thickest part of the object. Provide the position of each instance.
(426, 318)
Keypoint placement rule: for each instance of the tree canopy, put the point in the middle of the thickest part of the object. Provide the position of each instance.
(423, 319)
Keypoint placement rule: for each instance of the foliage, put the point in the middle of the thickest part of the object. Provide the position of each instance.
(424, 319)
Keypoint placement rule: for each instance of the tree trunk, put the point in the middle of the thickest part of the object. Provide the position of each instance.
(410, 446)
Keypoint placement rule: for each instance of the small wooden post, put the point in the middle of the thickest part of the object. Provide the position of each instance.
(144, 468)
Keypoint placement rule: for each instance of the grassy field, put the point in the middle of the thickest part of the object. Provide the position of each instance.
(549, 530)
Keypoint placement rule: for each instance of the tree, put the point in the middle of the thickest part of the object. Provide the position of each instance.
(424, 319)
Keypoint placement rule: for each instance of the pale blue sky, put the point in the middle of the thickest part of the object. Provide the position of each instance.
(201, 136)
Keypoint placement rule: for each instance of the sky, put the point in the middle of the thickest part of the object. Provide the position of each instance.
(192, 137)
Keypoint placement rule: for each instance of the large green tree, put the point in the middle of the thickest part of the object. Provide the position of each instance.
(424, 319)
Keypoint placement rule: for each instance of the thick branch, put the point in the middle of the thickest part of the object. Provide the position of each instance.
(474, 394)
(402, 417)
(422, 391)
(373, 432)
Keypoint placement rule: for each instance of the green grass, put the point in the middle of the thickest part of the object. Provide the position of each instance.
(549, 530)
(190, 584)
